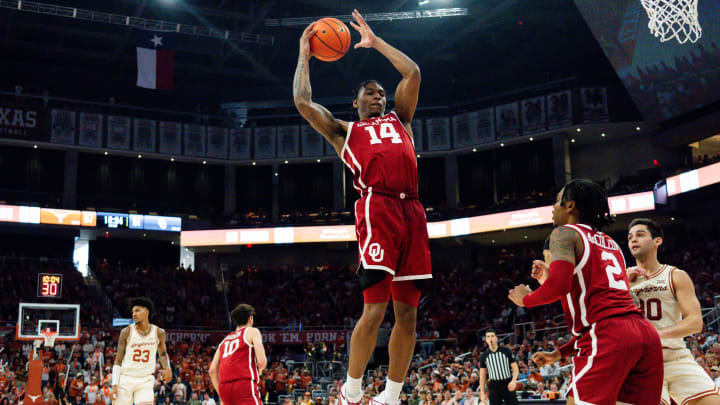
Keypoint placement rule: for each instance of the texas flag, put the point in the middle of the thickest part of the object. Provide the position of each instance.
(155, 59)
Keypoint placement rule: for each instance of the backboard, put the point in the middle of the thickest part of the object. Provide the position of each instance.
(35, 317)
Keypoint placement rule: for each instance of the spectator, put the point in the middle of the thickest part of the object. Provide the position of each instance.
(179, 389)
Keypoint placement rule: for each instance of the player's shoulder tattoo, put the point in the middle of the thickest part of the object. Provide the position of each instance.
(562, 244)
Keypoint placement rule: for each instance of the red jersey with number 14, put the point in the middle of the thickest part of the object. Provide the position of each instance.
(600, 287)
(237, 358)
(380, 153)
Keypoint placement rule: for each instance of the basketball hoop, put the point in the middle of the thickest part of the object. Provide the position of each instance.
(673, 19)
(49, 337)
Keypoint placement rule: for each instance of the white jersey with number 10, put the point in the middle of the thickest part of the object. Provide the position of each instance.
(657, 301)
(140, 353)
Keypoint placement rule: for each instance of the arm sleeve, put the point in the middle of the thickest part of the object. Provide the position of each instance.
(482, 361)
(557, 285)
(568, 349)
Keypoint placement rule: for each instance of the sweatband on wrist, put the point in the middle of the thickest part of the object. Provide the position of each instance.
(557, 285)
(115, 375)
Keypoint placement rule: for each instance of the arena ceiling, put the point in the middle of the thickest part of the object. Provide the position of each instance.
(498, 47)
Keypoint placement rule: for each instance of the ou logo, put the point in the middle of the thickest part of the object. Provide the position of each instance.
(376, 252)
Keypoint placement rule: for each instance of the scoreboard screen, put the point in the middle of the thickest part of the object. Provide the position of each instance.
(49, 285)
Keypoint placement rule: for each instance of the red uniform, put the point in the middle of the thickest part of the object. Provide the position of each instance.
(618, 356)
(389, 220)
(238, 371)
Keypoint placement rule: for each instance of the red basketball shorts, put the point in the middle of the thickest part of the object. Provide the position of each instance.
(392, 238)
(619, 360)
(240, 392)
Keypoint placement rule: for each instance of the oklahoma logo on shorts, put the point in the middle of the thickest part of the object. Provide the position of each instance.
(376, 252)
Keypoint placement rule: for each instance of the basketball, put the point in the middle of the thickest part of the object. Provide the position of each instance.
(331, 41)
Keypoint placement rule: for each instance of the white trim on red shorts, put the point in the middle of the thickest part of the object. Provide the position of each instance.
(588, 366)
(368, 227)
(414, 277)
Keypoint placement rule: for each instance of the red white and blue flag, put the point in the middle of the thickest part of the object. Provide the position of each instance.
(155, 59)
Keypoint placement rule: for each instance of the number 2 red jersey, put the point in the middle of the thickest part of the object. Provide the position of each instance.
(600, 287)
(380, 153)
(237, 359)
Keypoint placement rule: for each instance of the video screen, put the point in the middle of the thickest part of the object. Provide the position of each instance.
(664, 79)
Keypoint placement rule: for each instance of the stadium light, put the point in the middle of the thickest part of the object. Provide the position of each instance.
(423, 2)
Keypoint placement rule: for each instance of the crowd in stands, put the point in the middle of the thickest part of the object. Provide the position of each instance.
(181, 296)
(462, 302)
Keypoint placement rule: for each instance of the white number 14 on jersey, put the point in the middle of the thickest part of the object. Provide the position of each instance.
(387, 130)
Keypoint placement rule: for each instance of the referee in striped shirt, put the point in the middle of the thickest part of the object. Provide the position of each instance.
(498, 364)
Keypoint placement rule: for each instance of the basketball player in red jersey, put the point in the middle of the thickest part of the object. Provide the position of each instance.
(239, 360)
(390, 222)
(617, 352)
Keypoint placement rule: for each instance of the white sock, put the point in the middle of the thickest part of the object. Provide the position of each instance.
(353, 389)
(392, 392)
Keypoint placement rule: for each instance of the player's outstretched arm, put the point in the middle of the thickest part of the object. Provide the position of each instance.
(163, 356)
(256, 340)
(214, 370)
(316, 115)
(117, 366)
(565, 246)
(692, 321)
(408, 90)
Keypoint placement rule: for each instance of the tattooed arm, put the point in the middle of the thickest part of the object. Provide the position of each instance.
(316, 115)
(163, 356)
(565, 246)
(117, 365)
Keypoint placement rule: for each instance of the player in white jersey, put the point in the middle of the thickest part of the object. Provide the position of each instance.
(140, 346)
(666, 296)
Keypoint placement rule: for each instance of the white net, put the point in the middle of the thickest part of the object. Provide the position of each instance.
(673, 19)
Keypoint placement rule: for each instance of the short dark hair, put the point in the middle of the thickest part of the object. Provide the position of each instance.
(241, 314)
(590, 200)
(142, 302)
(363, 84)
(652, 226)
(490, 331)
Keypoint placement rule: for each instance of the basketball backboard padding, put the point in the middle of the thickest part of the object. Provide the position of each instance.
(61, 318)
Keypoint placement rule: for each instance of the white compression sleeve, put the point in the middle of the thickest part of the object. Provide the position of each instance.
(115, 375)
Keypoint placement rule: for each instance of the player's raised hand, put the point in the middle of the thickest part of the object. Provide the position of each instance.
(367, 36)
(517, 294)
(540, 271)
(544, 358)
(305, 41)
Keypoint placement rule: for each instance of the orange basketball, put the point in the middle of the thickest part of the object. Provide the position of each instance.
(331, 41)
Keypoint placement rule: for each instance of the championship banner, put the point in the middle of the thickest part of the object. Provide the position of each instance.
(288, 141)
(265, 142)
(240, 143)
(533, 115)
(269, 338)
(484, 126)
(217, 145)
(144, 140)
(312, 142)
(559, 111)
(417, 129)
(118, 132)
(194, 140)
(594, 104)
(63, 127)
(170, 137)
(462, 130)
(91, 129)
(506, 117)
(23, 123)
(438, 130)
